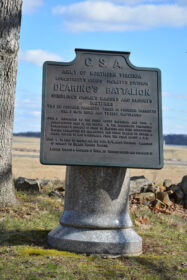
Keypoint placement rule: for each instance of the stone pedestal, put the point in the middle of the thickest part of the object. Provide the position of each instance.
(96, 213)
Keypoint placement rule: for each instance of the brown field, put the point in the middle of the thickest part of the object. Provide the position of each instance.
(26, 163)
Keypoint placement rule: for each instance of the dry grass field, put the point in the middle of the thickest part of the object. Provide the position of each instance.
(26, 163)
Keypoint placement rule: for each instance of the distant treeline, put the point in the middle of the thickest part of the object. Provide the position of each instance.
(170, 139)
(28, 134)
(175, 139)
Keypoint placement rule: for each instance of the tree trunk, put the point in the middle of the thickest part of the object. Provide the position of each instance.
(10, 20)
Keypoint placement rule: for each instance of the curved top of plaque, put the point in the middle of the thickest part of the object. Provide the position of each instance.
(106, 53)
(101, 110)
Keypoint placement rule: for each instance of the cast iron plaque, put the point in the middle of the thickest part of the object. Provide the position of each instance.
(101, 110)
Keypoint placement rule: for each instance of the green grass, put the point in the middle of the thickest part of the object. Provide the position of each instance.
(25, 254)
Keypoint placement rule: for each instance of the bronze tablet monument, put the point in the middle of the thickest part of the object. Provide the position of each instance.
(100, 114)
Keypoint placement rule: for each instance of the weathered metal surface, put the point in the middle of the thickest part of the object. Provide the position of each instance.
(101, 110)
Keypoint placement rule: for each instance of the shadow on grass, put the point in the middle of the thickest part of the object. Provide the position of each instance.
(18, 237)
(161, 269)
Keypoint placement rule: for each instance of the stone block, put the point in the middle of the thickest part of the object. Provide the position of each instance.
(164, 197)
(28, 185)
(148, 196)
(167, 183)
(139, 184)
(183, 185)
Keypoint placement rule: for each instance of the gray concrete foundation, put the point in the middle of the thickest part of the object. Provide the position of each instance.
(96, 213)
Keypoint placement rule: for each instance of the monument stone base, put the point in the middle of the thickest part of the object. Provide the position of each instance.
(112, 242)
(96, 218)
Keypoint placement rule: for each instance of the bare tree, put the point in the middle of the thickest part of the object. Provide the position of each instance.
(10, 21)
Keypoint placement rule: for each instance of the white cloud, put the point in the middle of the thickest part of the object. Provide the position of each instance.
(36, 113)
(176, 96)
(135, 2)
(166, 94)
(181, 96)
(30, 6)
(38, 57)
(107, 16)
(182, 2)
(180, 128)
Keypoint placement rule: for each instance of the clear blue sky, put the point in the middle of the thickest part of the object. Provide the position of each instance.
(155, 32)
